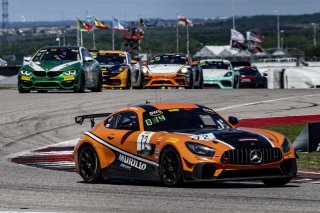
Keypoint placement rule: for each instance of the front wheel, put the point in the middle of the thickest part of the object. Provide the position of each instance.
(89, 165)
(276, 182)
(98, 88)
(21, 90)
(171, 168)
(80, 88)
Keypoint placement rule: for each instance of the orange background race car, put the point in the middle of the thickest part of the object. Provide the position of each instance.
(180, 142)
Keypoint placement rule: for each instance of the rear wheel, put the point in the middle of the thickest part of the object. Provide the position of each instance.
(276, 182)
(171, 168)
(89, 165)
(98, 88)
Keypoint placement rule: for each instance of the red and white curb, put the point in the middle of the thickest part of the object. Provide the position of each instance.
(57, 157)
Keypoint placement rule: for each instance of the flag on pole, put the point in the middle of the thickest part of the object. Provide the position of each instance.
(253, 36)
(117, 25)
(98, 24)
(184, 21)
(237, 36)
(82, 26)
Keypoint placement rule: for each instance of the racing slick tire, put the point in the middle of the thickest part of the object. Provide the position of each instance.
(171, 168)
(276, 182)
(80, 88)
(21, 90)
(89, 165)
(128, 81)
(191, 84)
(98, 88)
(201, 85)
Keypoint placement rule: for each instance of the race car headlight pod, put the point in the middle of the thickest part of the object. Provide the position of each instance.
(25, 72)
(286, 145)
(145, 70)
(184, 70)
(199, 149)
(120, 69)
(70, 72)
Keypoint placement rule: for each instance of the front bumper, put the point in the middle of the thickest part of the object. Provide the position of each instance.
(37, 83)
(206, 172)
(166, 80)
(110, 80)
(225, 83)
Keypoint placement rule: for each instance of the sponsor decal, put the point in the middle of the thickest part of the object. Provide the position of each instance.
(174, 110)
(128, 161)
(172, 140)
(204, 137)
(156, 112)
(25, 78)
(208, 110)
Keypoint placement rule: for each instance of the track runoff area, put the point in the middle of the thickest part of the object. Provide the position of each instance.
(60, 156)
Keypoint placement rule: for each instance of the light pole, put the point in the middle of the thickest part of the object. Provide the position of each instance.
(278, 29)
(282, 38)
(314, 34)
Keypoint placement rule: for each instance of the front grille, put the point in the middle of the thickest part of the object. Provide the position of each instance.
(39, 73)
(54, 73)
(242, 156)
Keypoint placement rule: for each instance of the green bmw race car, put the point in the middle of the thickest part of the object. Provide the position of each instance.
(60, 67)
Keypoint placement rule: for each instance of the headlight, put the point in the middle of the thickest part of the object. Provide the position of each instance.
(25, 72)
(184, 70)
(199, 149)
(145, 70)
(228, 74)
(120, 69)
(286, 145)
(70, 72)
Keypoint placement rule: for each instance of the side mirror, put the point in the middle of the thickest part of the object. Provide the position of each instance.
(233, 120)
(144, 63)
(87, 59)
(195, 63)
(265, 74)
(134, 62)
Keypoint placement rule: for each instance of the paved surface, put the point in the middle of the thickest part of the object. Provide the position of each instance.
(35, 120)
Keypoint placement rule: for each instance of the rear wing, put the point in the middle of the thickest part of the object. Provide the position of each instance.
(79, 119)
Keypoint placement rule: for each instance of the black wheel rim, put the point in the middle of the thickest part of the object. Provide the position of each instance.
(170, 168)
(88, 163)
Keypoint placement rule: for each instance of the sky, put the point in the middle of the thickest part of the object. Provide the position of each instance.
(127, 10)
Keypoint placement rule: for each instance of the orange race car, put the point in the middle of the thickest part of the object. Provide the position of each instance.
(180, 142)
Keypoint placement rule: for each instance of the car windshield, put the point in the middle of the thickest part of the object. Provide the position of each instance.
(215, 65)
(249, 72)
(168, 59)
(111, 59)
(57, 54)
(181, 120)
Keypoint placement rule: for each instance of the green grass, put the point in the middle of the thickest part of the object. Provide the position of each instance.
(306, 161)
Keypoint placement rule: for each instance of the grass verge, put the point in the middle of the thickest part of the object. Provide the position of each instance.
(306, 161)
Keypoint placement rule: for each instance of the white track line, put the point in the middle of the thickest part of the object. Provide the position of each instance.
(266, 101)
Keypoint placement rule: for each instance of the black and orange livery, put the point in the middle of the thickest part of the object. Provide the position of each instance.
(180, 142)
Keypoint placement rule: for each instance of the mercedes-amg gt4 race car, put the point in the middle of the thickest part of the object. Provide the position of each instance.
(60, 67)
(180, 142)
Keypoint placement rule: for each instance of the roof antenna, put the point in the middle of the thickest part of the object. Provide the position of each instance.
(147, 102)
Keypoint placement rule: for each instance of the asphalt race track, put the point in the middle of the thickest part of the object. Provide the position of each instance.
(36, 120)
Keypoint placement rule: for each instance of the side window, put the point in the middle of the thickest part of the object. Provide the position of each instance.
(128, 121)
(112, 121)
(85, 53)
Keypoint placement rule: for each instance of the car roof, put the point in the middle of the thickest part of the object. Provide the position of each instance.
(215, 60)
(56, 47)
(170, 54)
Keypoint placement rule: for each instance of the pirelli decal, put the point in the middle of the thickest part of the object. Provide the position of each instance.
(125, 157)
